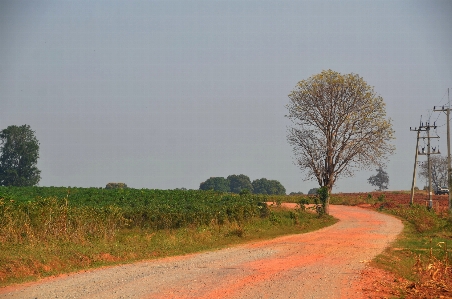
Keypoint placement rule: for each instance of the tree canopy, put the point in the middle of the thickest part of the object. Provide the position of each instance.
(215, 183)
(19, 153)
(380, 180)
(270, 187)
(116, 186)
(339, 126)
(239, 182)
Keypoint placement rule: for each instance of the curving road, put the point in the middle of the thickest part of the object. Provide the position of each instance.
(320, 264)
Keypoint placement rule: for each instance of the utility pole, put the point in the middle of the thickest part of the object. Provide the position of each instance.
(425, 128)
(415, 163)
(449, 167)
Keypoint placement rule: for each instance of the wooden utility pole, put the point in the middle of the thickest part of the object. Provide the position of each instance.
(415, 163)
(449, 167)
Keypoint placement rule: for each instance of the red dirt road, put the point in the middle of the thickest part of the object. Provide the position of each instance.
(322, 264)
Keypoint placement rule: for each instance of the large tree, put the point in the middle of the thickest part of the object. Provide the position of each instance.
(19, 153)
(339, 126)
(380, 180)
(215, 183)
(270, 187)
(239, 182)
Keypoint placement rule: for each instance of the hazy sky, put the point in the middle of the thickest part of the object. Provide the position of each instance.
(165, 94)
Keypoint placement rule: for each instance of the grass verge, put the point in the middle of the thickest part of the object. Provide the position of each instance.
(421, 257)
(29, 261)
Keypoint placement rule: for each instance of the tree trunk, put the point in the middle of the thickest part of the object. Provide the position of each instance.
(327, 202)
(327, 205)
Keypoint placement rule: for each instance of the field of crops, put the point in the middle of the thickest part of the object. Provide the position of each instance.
(49, 230)
(51, 211)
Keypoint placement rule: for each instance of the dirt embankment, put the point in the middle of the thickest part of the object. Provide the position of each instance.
(322, 264)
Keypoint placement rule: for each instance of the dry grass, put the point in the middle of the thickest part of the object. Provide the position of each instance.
(434, 276)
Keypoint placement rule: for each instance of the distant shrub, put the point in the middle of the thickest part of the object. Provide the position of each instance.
(116, 186)
(313, 191)
(296, 193)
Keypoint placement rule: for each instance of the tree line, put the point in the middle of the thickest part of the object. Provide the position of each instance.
(242, 183)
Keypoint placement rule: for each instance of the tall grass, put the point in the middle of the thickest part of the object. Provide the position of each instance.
(53, 219)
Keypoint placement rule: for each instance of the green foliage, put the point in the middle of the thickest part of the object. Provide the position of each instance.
(19, 153)
(219, 184)
(422, 218)
(239, 182)
(143, 208)
(270, 187)
(46, 219)
(321, 200)
(244, 192)
(264, 210)
(274, 218)
(116, 186)
(302, 203)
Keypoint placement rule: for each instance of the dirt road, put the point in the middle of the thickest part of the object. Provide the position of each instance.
(321, 264)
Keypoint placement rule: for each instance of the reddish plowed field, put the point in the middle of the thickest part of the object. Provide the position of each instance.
(395, 198)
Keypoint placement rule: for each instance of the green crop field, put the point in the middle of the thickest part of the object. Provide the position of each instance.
(158, 209)
(50, 230)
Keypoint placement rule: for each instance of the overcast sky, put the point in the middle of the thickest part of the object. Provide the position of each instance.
(165, 94)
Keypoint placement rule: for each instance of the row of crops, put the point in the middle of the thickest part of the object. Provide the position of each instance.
(59, 210)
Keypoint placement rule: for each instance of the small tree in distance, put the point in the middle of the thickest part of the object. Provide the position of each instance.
(313, 191)
(380, 180)
(439, 170)
(19, 153)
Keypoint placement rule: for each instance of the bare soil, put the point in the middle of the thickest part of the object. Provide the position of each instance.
(327, 263)
(400, 198)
